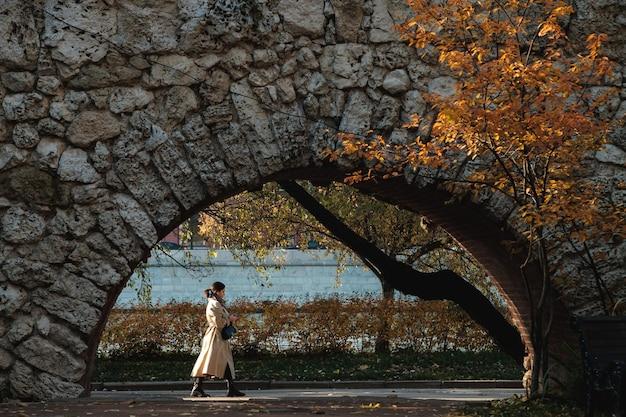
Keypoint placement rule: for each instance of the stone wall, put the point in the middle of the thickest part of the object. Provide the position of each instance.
(120, 119)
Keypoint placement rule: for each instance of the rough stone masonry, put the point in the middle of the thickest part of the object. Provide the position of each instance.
(121, 118)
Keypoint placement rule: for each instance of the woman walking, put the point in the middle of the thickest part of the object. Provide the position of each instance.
(216, 357)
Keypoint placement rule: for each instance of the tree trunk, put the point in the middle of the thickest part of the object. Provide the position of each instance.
(382, 339)
(440, 285)
(541, 324)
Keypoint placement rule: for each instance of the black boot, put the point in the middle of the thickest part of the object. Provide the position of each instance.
(197, 390)
(232, 391)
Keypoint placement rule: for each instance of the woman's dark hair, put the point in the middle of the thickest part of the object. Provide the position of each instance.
(215, 287)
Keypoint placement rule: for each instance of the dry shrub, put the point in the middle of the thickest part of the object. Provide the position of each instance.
(318, 326)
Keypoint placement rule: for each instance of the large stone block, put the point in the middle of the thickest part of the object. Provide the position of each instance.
(237, 155)
(21, 225)
(348, 19)
(261, 77)
(46, 356)
(413, 105)
(67, 339)
(33, 185)
(387, 113)
(128, 99)
(28, 273)
(237, 62)
(79, 288)
(347, 65)
(205, 157)
(104, 74)
(18, 81)
(174, 70)
(11, 298)
(317, 84)
(233, 21)
(100, 272)
(179, 175)
(73, 47)
(305, 57)
(74, 166)
(216, 86)
(289, 128)
(48, 84)
(262, 144)
(99, 245)
(11, 156)
(6, 359)
(21, 380)
(285, 91)
(157, 37)
(174, 105)
(19, 40)
(357, 114)
(397, 81)
(25, 136)
(113, 227)
(611, 154)
(303, 17)
(382, 24)
(22, 107)
(49, 152)
(49, 387)
(442, 86)
(130, 143)
(93, 126)
(145, 184)
(264, 57)
(77, 221)
(77, 313)
(393, 55)
(135, 216)
(21, 327)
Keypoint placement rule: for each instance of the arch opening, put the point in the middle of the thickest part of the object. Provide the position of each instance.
(397, 187)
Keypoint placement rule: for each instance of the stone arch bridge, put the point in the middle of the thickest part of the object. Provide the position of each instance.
(120, 118)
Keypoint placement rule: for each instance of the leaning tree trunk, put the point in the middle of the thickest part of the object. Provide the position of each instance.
(440, 285)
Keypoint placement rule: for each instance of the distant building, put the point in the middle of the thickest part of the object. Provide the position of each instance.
(304, 275)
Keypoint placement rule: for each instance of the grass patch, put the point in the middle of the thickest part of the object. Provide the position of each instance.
(520, 407)
(341, 366)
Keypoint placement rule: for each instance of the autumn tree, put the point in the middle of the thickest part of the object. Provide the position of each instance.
(391, 242)
(522, 123)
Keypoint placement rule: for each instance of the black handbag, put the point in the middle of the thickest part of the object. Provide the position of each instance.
(228, 331)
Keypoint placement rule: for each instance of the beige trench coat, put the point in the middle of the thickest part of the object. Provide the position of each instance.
(215, 353)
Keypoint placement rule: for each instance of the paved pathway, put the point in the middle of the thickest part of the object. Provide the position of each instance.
(285, 394)
(284, 403)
